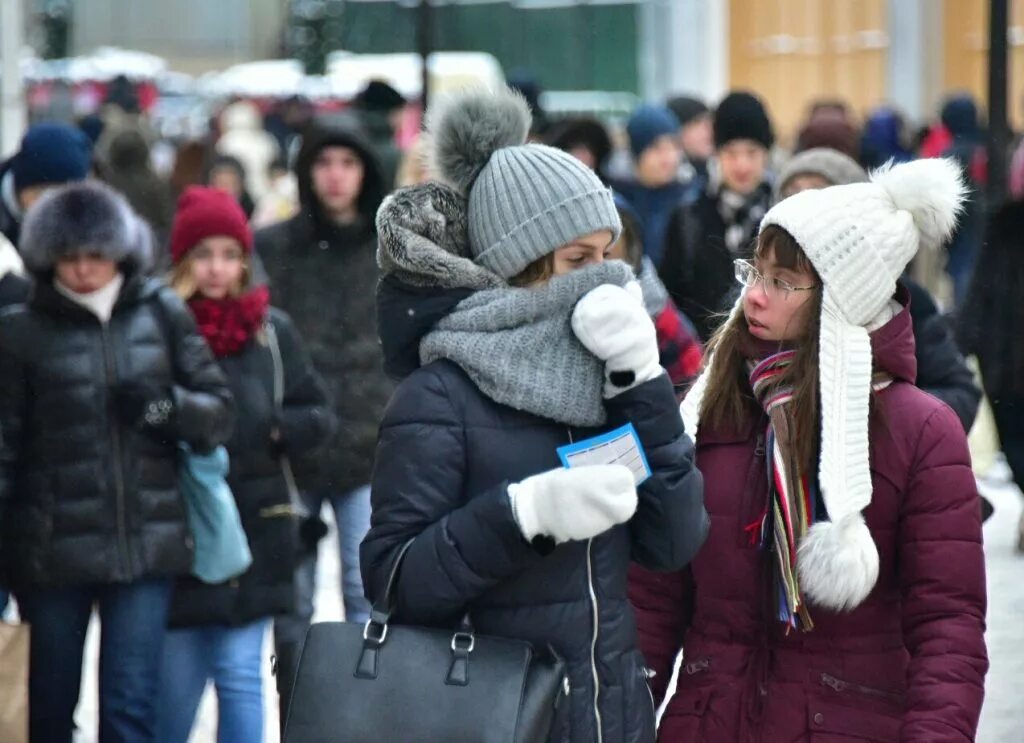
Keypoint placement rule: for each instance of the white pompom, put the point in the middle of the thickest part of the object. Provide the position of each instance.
(838, 563)
(932, 190)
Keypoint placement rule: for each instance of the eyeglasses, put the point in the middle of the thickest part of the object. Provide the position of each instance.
(748, 275)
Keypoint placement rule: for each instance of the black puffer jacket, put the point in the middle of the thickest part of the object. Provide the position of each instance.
(84, 498)
(696, 267)
(445, 458)
(257, 479)
(941, 369)
(324, 275)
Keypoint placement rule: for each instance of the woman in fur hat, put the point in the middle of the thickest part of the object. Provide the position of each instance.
(517, 337)
(842, 589)
(102, 373)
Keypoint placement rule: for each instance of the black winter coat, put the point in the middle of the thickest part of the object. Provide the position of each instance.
(83, 497)
(697, 265)
(257, 480)
(324, 276)
(445, 458)
(941, 369)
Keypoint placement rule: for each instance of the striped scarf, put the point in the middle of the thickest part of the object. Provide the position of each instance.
(792, 489)
(789, 512)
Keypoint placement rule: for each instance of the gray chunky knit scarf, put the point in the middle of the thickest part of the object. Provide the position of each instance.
(518, 347)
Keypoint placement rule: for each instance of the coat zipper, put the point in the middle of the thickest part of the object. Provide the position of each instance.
(839, 685)
(597, 617)
(593, 644)
(115, 436)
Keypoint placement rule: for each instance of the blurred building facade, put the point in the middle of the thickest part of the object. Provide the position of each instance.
(867, 52)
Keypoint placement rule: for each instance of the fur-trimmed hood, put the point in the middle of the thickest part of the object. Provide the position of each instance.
(423, 239)
(427, 269)
(86, 217)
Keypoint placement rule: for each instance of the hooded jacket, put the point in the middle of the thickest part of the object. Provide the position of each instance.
(85, 498)
(446, 456)
(908, 664)
(323, 275)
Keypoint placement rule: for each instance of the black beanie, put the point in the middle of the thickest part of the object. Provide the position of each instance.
(686, 108)
(742, 116)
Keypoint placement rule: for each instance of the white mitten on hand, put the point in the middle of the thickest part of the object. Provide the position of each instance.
(613, 324)
(573, 504)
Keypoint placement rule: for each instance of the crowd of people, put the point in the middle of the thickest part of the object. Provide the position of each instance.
(405, 339)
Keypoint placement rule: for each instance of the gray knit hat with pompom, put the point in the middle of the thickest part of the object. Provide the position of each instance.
(525, 200)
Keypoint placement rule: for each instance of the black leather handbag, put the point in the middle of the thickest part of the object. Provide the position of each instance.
(384, 682)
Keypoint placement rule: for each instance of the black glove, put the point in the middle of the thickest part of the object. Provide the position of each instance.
(142, 405)
(311, 530)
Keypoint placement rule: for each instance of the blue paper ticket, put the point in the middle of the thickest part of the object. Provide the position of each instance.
(621, 446)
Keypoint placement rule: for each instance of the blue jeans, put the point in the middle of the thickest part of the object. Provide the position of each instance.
(352, 515)
(231, 657)
(133, 621)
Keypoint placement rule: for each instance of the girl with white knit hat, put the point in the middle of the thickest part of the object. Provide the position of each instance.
(515, 337)
(841, 591)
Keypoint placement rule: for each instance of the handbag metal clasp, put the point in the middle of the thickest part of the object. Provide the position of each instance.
(378, 640)
(469, 637)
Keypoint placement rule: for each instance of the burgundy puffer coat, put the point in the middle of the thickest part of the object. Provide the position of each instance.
(908, 664)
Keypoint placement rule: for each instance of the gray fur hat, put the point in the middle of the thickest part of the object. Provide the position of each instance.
(81, 218)
(525, 200)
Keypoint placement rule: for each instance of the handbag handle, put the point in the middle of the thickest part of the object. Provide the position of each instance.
(463, 640)
(295, 500)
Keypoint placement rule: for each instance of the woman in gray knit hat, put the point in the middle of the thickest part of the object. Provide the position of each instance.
(516, 337)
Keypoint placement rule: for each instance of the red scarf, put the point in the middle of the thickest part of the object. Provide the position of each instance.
(228, 324)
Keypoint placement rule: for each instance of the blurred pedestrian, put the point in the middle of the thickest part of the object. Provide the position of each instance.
(281, 201)
(696, 132)
(102, 374)
(655, 189)
(830, 127)
(50, 155)
(228, 174)
(189, 167)
(990, 327)
(706, 234)
(960, 118)
(379, 109)
(127, 168)
(243, 137)
(584, 138)
(217, 631)
(884, 139)
(322, 271)
(842, 589)
(557, 351)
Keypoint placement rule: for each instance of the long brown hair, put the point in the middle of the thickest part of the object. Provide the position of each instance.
(728, 399)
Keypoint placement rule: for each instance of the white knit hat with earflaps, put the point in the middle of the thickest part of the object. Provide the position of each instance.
(859, 238)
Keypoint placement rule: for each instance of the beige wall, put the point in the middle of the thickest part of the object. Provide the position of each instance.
(965, 66)
(795, 51)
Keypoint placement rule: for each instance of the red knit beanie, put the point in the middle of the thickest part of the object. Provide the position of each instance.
(207, 212)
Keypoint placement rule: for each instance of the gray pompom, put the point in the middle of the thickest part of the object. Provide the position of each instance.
(467, 127)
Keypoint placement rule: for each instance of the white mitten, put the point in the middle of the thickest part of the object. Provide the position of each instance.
(573, 504)
(613, 324)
